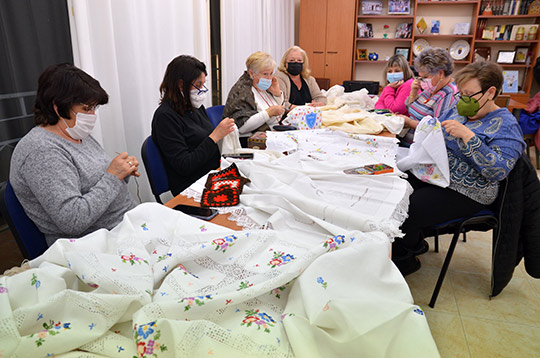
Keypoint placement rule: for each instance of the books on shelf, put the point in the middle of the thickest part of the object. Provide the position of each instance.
(509, 32)
(506, 7)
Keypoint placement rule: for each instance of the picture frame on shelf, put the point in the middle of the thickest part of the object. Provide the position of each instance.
(510, 83)
(405, 51)
(403, 31)
(361, 54)
(482, 53)
(435, 27)
(372, 7)
(521, 54)
(462, 28)
(365, 30)
(399, 7)
(505, 57)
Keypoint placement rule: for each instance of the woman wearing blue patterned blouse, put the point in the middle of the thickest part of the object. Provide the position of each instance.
(483, 143)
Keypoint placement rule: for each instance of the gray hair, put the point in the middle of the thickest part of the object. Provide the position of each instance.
(432, 60)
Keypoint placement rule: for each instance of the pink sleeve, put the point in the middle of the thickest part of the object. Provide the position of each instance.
(394, 100)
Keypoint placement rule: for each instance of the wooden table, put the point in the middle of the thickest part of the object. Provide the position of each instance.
(220, 219)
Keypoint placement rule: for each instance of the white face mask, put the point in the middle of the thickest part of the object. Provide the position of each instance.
(196, 98)
(83, 126)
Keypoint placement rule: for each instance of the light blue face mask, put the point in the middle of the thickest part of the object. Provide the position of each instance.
(394, 77)
(264, 83)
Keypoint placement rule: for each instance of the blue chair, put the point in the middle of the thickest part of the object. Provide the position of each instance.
(153, 163)
(30, 240)
(215, 113)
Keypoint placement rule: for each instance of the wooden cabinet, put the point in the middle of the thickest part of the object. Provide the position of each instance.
(448, 13)
(327, 33)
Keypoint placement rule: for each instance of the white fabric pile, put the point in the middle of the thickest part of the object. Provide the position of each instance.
(349, 112)
(163, 284)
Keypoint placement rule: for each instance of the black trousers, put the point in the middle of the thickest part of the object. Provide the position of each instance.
(430, 205)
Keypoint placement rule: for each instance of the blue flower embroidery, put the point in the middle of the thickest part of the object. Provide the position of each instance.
(287, 258)
(419, 311)
(266, 318)
(145, 330)
(320, 280)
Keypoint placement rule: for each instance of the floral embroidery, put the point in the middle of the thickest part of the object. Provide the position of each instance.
(51, 329)
(3, 289)
(161, 258)
(419, 311)
(203, 228)
(152, 346)
(332, 243)
(280, 259)
(35, 281)
(323, 283)
(244, 285)
(277, 291)
(132, 259)
(185, 270)
(260, 319)
(286, 315)
(144, 227)
(222, 244)
(199, 300)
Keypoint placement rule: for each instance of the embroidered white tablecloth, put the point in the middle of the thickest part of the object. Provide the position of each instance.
(163, 284)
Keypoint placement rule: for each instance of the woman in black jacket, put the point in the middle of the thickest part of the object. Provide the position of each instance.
(181, 128)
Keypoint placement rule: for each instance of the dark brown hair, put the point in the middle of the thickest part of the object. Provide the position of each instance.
(487, 73)
(186, 69)
(65, 85)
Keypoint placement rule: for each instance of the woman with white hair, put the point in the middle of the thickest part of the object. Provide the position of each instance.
(255, 102)
(299, 88)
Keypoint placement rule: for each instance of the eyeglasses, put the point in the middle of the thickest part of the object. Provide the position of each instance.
(88, 108)
(201, 90)
(465, 98)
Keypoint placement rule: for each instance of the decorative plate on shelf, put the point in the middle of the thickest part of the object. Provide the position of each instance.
(459, 50)
(419, 45)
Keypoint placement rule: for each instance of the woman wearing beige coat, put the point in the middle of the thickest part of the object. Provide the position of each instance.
(299, 88)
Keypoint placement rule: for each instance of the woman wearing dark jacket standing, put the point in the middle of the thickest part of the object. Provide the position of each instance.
(181, 128)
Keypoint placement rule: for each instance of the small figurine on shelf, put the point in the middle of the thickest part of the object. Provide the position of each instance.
(487, 11)
(386, 27)
(373, 56)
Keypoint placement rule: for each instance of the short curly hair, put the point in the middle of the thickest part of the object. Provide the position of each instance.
(64, 85)
(434, 59)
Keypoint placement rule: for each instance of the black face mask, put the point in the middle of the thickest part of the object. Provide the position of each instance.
(295, 68)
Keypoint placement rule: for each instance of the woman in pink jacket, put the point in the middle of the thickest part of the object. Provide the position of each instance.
(398, 78)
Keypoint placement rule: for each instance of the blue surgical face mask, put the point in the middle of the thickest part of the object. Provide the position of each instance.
(394, 77)
(264, 83)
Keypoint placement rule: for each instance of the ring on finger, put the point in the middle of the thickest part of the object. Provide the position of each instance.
(130, 163)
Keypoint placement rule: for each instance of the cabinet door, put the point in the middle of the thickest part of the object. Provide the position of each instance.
(312, 34)
(340, 30)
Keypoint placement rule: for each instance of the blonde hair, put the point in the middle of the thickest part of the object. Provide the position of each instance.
(305, 68)
(260, 60)
(401, 62)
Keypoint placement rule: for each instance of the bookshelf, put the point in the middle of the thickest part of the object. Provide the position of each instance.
(448, 13)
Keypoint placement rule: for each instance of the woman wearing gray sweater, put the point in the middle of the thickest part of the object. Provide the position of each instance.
(61, 175)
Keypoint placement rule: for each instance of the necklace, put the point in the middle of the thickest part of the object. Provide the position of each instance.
(264, 97)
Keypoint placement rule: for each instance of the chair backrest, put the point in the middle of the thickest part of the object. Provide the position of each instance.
(30, 240)
(153, 163)
(215, 113)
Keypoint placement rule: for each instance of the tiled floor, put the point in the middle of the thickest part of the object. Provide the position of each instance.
(464, 322)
